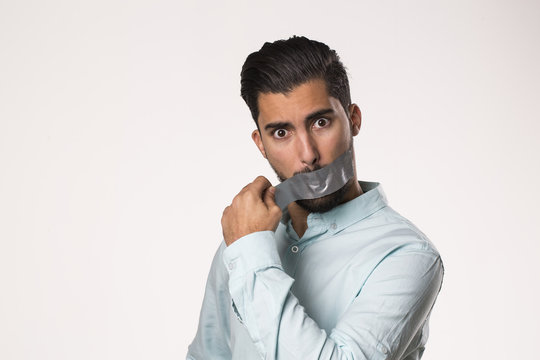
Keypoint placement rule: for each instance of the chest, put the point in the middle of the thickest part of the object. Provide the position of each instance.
(329, 274)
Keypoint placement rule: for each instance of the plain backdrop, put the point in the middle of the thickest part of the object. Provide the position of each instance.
(123, 136)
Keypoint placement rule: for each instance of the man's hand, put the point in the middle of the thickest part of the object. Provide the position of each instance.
(252, 210)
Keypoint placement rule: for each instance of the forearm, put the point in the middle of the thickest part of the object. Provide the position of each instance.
(376, 325)
(278, 325)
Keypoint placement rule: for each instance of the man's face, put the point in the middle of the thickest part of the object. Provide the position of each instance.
(304, 130)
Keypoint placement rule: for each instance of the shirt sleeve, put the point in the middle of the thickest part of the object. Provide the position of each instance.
(387, 313)
(213, 337)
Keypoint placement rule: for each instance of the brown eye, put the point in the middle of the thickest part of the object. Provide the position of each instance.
(280, 133)
(321, 123)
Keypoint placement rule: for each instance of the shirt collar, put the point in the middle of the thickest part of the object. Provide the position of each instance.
(344, 215)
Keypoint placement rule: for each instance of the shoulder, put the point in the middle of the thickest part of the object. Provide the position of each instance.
(387, 243)
(407, 251)
(394, 232)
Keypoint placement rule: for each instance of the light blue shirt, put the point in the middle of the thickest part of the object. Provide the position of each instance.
(359, 284)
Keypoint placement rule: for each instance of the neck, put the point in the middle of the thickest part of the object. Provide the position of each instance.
(299, 215)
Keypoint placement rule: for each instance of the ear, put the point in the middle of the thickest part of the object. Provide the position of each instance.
(355, 119)
(256, 136)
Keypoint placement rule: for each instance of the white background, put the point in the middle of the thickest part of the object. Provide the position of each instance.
(123, 137)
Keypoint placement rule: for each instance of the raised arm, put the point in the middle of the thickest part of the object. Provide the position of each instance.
(380, 323)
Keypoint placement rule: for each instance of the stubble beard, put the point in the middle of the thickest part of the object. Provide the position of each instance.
(325, 203)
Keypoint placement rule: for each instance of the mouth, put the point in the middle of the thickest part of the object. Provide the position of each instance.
(314, 184)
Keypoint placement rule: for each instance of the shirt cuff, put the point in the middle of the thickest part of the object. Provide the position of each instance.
(252, 252)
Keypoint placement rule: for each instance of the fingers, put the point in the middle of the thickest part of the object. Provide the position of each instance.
(268, 197)
(270, 203)
(261, 190)
(253, 209)
(257, 186)
(255, 190)
(260, 184)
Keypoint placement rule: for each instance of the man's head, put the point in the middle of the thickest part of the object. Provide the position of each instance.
(298, 93)
(280, 66)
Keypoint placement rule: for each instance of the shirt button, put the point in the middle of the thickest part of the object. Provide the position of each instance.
(333, 226)
(294, 249)
(231, 266)
(385, 350)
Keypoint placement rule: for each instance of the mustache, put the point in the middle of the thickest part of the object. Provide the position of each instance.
(308, 170)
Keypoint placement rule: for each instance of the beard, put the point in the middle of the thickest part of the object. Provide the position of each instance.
(325, 203)
(322, 204)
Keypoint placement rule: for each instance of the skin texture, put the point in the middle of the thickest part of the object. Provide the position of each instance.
(302, 130)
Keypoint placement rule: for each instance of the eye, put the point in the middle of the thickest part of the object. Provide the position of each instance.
(320, 123)
(280, 133)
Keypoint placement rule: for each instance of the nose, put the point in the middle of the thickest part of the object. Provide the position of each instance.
(307, 150)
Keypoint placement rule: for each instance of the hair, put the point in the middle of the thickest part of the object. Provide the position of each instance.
(281, 66)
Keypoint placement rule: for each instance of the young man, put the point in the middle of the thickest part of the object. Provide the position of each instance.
(342, 276)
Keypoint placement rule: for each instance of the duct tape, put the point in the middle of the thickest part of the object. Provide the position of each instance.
(316, 184)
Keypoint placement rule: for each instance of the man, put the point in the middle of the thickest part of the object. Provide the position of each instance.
(342, 276)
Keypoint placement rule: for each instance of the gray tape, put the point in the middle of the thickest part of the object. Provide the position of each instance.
(316, 184)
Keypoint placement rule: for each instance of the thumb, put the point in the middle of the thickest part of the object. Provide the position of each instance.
(269, 197)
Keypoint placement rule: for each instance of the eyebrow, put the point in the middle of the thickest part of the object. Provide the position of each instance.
(312, 116)
(277, 125)
(318, 113)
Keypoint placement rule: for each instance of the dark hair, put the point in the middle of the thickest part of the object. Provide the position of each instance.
(280, 66)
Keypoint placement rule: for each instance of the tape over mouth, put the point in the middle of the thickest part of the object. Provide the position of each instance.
(316, 184)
